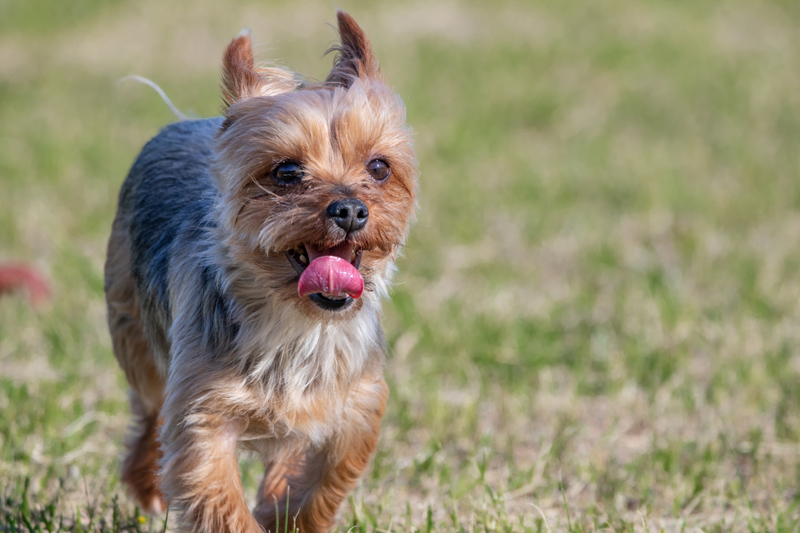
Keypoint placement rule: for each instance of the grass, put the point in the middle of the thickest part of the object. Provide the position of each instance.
(595, 325)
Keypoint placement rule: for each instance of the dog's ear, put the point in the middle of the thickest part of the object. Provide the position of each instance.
(241, 78)
(354, 57)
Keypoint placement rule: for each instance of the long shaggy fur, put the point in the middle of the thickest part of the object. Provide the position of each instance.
(218, 348)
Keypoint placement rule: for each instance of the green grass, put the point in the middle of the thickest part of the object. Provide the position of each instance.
(595, 325)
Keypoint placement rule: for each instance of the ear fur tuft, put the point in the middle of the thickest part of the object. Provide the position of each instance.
(241, 78)
(354, 56)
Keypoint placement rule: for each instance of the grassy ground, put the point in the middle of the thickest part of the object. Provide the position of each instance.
(596, 321)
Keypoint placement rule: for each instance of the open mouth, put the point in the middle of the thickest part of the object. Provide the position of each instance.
(328, 276)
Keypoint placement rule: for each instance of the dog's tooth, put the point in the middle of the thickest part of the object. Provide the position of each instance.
(303, 259)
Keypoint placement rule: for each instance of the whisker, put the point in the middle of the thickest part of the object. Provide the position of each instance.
(246, 203)
(266, 192)
(257, 184)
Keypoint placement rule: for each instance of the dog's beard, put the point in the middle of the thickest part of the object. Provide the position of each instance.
(314, 258)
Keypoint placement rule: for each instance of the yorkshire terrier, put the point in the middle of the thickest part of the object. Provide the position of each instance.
(245, 272)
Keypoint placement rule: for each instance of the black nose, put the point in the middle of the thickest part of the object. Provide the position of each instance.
(349, 214)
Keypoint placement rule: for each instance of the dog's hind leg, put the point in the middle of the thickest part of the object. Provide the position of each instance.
(132, 350)
(140, 467)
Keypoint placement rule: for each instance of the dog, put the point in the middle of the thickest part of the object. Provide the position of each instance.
(245, 271)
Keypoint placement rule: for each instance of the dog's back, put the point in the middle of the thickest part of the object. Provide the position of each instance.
(168, 191)
(165, 203)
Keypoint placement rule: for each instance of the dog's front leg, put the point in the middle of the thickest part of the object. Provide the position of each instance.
(199, 469)
(320, 481)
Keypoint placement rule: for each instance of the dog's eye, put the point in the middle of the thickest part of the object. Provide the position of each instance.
(288, 172)
(378, 169)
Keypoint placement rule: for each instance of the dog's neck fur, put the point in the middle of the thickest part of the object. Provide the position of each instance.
(282, 350)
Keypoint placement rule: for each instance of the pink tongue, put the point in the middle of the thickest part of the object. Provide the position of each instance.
(331, 276)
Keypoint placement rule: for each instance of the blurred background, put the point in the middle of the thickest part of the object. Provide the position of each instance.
(595, 324)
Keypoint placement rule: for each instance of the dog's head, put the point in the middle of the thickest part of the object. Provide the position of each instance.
(317, 182)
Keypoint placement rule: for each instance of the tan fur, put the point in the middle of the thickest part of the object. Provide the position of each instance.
(242, 79)
(300, 385)
(135, 356)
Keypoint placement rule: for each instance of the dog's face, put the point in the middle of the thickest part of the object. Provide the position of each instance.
(318, 183)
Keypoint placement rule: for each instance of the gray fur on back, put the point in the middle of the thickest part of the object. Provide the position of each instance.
(167, 199)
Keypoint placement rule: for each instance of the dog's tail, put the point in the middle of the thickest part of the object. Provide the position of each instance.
(161, 93)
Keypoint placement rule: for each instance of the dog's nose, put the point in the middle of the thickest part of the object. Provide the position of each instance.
(349, 214)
